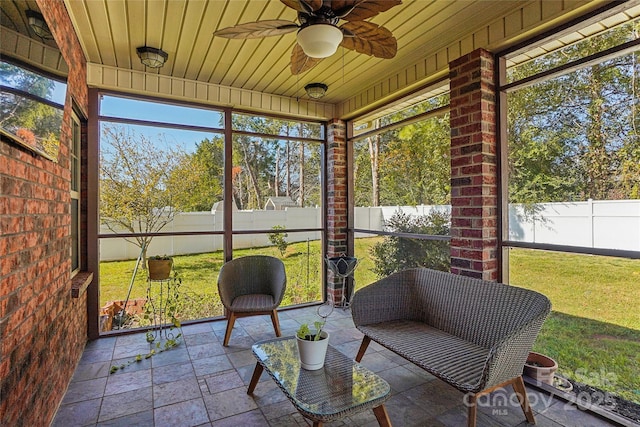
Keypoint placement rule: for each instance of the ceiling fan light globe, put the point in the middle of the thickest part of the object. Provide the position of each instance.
(319, 40)
(316, 90)
(152, 57)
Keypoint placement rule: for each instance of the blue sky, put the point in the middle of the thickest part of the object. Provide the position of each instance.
(159, 112)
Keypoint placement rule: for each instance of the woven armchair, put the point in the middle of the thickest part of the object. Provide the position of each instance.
(473, 334)
(250, 286)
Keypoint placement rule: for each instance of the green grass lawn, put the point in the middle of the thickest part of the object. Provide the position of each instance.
(593, 331)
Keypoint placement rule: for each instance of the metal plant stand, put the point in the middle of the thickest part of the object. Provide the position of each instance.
(343, 267)
(159, 313)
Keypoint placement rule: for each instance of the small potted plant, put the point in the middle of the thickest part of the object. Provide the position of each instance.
(159, 267)
(540, 367)
(312, 347)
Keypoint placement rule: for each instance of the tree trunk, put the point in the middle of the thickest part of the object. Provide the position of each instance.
(301, 175)
(276, 181)
(374, 152)
(288, 165)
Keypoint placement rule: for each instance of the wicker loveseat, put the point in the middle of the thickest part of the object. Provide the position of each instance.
(472, 334)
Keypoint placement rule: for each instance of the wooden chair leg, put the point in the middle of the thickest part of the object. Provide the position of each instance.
(363, 347)
(227, 333)
(521, 393)
(276, 323)
(473, 408)
(382, 416)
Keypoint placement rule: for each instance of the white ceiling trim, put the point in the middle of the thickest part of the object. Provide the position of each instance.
(32, 52)
(151, 84)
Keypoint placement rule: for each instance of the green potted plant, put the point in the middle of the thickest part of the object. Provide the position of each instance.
(312, 347)
(159, 267)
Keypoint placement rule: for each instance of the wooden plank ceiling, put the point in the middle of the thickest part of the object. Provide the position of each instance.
(111, 30)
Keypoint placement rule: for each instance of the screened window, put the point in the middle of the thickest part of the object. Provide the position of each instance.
(75, 193)
(31, 107)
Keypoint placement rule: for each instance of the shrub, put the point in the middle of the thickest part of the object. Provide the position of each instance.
(279, 239)
(399, 253)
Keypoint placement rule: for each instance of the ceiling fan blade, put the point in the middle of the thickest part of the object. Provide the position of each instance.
(254, 30)
(300, 62)
(364, 9)
(370, 39)
(306, 6)
(341, 7)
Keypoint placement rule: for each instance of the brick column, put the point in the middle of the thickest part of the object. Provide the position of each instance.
(336, 201)
(474, 194)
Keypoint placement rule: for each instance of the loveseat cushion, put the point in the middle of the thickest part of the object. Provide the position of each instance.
(452, 359)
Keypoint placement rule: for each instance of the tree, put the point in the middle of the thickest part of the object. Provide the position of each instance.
(203, 172)
(409, 165)
(575, 136)
(416, 166)
(396, 253)
(263, 163)
(136, 192)
(36, 123)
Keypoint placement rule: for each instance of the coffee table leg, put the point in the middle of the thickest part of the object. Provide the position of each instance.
(254, 378)
(382, 416)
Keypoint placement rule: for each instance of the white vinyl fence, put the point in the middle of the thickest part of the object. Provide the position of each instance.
(598, 224)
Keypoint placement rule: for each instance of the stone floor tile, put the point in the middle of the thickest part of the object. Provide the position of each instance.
(103, 344)
(94, 356)
(139, 419)
(85, 390)
(184, 414)
(126, 351)
(173, 372)
(251, 418)
(78, 413)
(91, 371)
(132, 381)
(223, 381)
(175, 355)
(176, 391)
(458, 417)
(127, 403)
(400, 378)
(207, 337)
(377, 362)
(130, 364)
(229, 403)
(267, 393)
(201, 338)
(569, 415)
(202, 351)
(435, 397)
(276, 411)
(211, 365)
(197, 328)
(242, 358)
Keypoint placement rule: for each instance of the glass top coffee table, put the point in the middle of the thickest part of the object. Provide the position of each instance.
(343, 387)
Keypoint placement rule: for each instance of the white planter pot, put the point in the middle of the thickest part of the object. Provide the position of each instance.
(312, 353)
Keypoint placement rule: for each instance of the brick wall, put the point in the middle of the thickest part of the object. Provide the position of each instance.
(43, 329)
(474, 200)
(336, 200)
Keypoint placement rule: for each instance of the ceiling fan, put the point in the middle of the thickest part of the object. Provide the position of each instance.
(318, 33)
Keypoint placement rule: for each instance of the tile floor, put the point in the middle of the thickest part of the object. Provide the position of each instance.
(201, 383)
